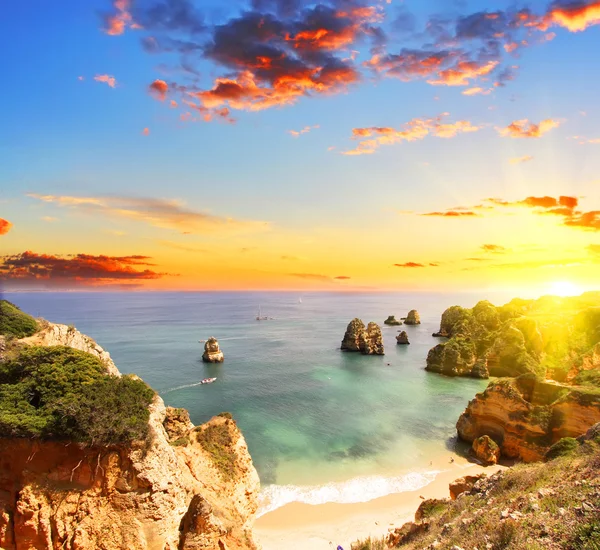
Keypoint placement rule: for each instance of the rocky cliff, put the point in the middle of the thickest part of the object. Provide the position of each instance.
(185, 487)
(526, 416)
(368, 340)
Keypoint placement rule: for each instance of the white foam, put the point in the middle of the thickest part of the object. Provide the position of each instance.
(359, 489)
(181, 387)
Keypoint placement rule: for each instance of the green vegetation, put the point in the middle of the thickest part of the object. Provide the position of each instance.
(61, 393)
(15, 323)
(227, 415)
(531, 506)
(564, 447)
(551, 337)
(216, 440)
(181, 442)
(370, 544)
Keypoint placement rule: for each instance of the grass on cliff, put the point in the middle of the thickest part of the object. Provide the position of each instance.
(552, 505)
(59, 393)
(216, 440)
(15, 323)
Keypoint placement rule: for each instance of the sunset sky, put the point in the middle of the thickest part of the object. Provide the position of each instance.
(293, 144)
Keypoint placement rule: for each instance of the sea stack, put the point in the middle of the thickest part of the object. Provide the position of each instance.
(368, 341)
(413, 318)
(392, 321)
(212, 352)
(402, 338)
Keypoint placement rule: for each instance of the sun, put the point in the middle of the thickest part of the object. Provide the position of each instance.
(564, 288)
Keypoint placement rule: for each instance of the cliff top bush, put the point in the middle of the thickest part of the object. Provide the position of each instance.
(59, 393)
(216, 440)
(13, 322)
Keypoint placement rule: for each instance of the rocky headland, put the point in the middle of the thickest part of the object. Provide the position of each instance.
(147, 479)
(366, 340)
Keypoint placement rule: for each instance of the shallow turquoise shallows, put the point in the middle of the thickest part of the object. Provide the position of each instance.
(321, 424)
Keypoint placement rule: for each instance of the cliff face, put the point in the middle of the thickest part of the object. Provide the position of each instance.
(169, 493)
(525, 419)
(53, 334)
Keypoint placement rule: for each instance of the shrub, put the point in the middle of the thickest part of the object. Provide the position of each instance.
(564, 447)
(13, 322)
(181, 442)
(217, 442)
(227, 415)
(64, 394)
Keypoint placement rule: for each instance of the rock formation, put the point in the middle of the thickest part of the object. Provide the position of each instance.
(402, 338)
(392, 321)
(368, 341)
(413, 318)
(212, 352)
(526, 416)
(351, 341)
(463, 484)
(171, 492)
(486, 450)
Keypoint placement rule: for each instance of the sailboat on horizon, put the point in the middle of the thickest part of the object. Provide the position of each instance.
(261, 317)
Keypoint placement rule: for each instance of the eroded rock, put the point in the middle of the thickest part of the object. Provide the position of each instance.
(413, 318)
(486, 450)
(402, 338)
(212, 351)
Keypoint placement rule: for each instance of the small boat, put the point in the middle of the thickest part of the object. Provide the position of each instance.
(300, 300)
(260, 317)
(207, 381)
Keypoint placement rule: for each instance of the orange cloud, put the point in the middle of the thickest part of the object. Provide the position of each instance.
(78, 268)
(305, 130)
(159, 88)
(585, 220)
(463, 72)
(525, 129)
(409, 265)
(414, 130)
(476, 91)
(453, 214)
(5, 226)
(167, 214)
(146, 131)
(578, 16)
(495, 248)
(107, 79)
(519, 160)
(116, 23)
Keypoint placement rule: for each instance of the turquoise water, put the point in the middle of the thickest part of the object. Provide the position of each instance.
(321, 424)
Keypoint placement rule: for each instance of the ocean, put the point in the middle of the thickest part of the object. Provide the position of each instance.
(322, 425)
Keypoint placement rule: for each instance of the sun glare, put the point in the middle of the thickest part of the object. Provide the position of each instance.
(564, 288)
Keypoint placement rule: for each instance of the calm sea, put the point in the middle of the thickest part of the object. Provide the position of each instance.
(322, 425)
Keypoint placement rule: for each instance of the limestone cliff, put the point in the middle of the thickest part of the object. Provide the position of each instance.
(368, 340)
(184, 488)
(526, 416)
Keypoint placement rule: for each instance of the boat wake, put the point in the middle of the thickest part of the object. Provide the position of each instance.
(183, 387)
(359, 489)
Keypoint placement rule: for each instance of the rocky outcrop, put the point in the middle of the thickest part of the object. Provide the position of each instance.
(413, 318)
(402, 338)
(368, 341)
(486, 450)
(53, 334)
(463, 485)
(212, 351)
(403, 535)
(455, 358)
(392, 321)
(525, 417)
(351, 341)
(170, 492)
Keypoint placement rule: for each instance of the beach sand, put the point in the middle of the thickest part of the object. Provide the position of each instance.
(299, 526)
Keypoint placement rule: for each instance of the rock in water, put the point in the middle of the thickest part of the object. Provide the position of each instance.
(413, 318)
(486, 450)
(366, 340)
(212, 352)
(402, 338)
(391, 320)
(352, 337)
(371, 341)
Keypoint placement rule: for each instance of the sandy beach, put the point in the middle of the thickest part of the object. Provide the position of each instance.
(299, 526)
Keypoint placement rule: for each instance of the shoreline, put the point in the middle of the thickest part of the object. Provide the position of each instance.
(298, 526)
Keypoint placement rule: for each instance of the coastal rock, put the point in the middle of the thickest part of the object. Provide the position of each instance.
(463, 485)
(368, 341)
(371, 340)
(212, 352)
(351, 341)
(429, 507)
(392, 321)
(441, 334)
(402, 338)
(53, 334)
(151, 495)
(526, 416)
(403, 535)
(453, 358)
(413, 318)
(486, 450)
